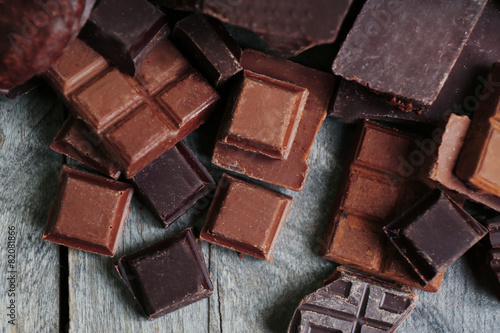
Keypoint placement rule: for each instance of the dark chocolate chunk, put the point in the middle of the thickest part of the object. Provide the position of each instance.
(489, 255)
(353, 302)
(167, 275)
(88, 212)
(137, 119)
(246, 217)
(406, 49)
(433, 234)
(478, 164)
(209, 46)
(125, 31)
(34, 34)
(173, 183)
(381, 180)
(24, 88)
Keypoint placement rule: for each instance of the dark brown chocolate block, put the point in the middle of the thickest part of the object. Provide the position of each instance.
(167, 275)
(381, 180)
(125, 31)
(137, 119)
(433, 234)
(246, 218)
(77, 141)
(406, 49)
(34, 34)
(24, 88)
(459, 94)
(209, 46)
(446, 156)
(478, 164)
(353, 302)
(292, 172)
(88, 212)
(173, 183)
(489, 253)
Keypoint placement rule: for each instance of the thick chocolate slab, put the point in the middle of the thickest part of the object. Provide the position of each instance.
(407, 49)
(445, 159)
(246, 217)
(489, 255)
(380, 181)
(88, 212)
(353, 302)
(292, 172)
(137, 119)
(478, 165)
(209, 46)
(460, 93)
(125, 31)
(167, 275)
(77, 141)
(433, 234)
(173, 183)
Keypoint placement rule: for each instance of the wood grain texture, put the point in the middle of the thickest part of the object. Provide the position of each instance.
(28, 178)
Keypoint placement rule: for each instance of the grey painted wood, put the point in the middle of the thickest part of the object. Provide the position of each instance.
(28, 178)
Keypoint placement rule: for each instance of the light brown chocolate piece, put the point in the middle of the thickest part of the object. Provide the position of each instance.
(245, 217)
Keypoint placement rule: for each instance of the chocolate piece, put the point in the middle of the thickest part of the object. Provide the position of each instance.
(442, 170)
(167, 275)
(433, 234)
(88, 212)
(245, 217)
(489, 252)
(353, 302)
(382, 178)
(210, 47)
(137, 119)
(173, 183)
(407, 49)
(34, 34)
(457, 95)
(125, 31)
(24, 88)
(265, 115)
(478, 164)
(292, 172)
(77, 141)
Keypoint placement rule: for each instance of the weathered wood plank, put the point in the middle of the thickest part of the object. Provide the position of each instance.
(28, 178)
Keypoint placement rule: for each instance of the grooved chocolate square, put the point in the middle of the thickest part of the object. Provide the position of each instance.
(88, 212)
(246, 217)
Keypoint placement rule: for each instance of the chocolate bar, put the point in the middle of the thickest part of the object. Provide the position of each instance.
(382, 178)
(353, 302)
(167, 275)
(446, 155)
(489, 255)
(125, 31)
(77, 141)
(245, 217)
(433, 234)
(34, 34)
(406, 49)
(88, 212)
(173, 183)
(458, 94)
(137, 119)
(290, 173)
(477, 164)
(209, 46)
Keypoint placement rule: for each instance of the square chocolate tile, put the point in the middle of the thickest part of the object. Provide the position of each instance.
(167, 275)
(246, 217)
(88, 212)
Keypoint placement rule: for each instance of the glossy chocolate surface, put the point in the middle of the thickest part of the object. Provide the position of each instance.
(88, 212)
(173, 183)
(292, 172)
(125, 31)
(407, 49)
(167, 275)
(246, 217)
(353, 302)
(137, 119)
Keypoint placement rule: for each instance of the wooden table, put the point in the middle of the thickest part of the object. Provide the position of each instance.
(250, 295)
